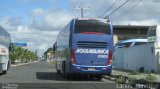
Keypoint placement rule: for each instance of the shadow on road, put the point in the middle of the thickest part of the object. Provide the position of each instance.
(49, 76)
(58, 77)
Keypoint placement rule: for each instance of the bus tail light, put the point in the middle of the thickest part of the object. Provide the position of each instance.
(109, 58)
(73, 60)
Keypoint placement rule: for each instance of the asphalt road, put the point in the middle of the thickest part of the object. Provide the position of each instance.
(42, 75)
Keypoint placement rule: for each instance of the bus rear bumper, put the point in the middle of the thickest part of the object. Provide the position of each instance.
(81, 69)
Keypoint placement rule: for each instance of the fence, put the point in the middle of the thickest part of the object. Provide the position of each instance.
(137, 57)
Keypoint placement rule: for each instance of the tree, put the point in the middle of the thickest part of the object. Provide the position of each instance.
(23, 55)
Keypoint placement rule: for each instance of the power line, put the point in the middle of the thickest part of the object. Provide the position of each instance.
(114, 3)
(117, 9)
(130, 9)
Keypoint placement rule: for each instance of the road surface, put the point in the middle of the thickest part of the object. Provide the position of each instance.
(42, 75)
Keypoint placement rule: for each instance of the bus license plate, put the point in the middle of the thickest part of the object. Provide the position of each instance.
(91, 68)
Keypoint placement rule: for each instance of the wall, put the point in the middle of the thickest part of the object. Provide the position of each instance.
(118, 58)
(133, 58)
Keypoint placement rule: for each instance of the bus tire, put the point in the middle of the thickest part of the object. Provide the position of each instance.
(58, 71)
(8, 65)
(109, 74)
(63, 73)
(68, 76)
(99, 77)
(63, 70)
(4, 72)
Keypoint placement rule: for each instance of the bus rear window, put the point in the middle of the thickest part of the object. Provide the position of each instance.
(92, 26)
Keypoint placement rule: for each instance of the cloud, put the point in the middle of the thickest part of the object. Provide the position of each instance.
(23, 29)
(42, 32)
(142, 22)
(147, 10)
(38, 12)
(27, 1)
(45, 23)
(50, 19)
(20, 32)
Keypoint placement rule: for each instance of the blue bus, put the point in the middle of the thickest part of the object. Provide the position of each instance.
(85, 46)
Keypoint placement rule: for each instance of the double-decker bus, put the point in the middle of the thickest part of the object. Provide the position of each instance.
(5, 41)
(85, 46)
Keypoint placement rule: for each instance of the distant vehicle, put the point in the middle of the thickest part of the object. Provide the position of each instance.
(130, 43)
(5, 41)
(85, 46)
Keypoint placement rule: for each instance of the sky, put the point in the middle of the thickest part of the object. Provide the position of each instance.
(38, 22)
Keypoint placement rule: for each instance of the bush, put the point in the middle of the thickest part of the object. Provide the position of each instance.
(151, 77)
(134, 73)
(121, 79)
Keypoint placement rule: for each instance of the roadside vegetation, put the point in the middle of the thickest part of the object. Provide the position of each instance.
(151, 77)
(147, 81)
(22, 55)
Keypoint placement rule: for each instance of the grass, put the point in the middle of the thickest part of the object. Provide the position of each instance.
(151, 77)
(134, 73)
(120, 79)
(53, 62)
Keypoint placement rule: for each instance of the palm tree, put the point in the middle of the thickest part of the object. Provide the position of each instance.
(24, 55)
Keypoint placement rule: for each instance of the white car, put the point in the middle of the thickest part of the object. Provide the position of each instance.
(130, 42)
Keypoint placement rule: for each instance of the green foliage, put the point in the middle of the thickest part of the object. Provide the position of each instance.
(131, 80)
(120, 79)
(53, 62)
(134, 73)
(151, 77)
(23, 55)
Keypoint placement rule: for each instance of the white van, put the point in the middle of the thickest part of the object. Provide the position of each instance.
(130, 42)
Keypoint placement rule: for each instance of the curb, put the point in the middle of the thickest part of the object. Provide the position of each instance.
(24, 63)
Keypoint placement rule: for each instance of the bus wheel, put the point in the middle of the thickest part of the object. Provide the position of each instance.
(68, 76)
(63, 69)
(4, 72)
(58, 71)
(63, 73)
(8, 65)
(99, 77)
(109, 74)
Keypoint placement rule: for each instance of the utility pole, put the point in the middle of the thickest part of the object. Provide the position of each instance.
(82, 10)
(36, 54)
